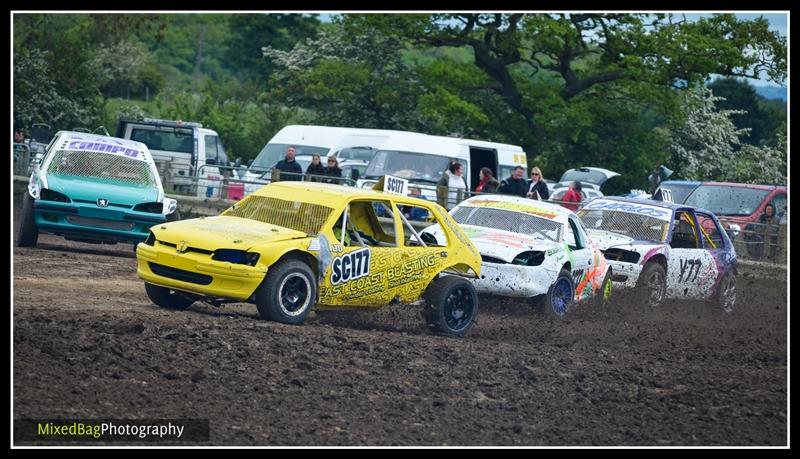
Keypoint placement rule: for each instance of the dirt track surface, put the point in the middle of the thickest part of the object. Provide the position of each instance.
(89, 344)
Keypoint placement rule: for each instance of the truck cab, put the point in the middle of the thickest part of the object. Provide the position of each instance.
(186, 153)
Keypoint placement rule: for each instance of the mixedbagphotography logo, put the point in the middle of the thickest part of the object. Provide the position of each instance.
(154, 430)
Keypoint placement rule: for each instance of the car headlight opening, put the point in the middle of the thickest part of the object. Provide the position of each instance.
(529, 258)
(236, 256)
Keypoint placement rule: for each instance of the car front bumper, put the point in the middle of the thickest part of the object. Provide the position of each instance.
(93, 223)
(514, 280)
(629, 271)
(196, 273)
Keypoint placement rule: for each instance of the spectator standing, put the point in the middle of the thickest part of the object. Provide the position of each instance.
(487, 184)
(290, 169)
(516, 184)
(573, 195)
(770, 230)
(332, 173)
(537, 187)
(454, 182)
(19, 136)
(315, 170)
(415, 213)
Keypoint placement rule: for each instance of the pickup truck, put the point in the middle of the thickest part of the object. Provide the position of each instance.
(186, 153)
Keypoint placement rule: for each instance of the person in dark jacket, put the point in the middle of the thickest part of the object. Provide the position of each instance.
(333, 172)
(516, 184)
(488, 183)
(288, 164)
(537, 187)
(315, 170)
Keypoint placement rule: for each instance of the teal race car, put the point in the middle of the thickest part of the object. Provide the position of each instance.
(95, 189)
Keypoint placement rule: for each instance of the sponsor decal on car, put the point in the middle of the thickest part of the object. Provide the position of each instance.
(517, 207)
(104, 148)
(640, 209)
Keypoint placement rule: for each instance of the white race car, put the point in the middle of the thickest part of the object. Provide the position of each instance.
(531, 249)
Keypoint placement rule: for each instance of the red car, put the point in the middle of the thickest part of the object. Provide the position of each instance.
(731, 202)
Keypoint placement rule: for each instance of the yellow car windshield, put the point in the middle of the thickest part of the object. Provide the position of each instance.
(299, 216)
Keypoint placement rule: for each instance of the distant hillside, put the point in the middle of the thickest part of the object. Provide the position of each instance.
(771, 92)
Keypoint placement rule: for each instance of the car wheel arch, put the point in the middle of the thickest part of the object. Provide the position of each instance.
(300, 255)
(659, 258)
(460, 267)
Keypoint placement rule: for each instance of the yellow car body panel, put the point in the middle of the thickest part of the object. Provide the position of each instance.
(347, 275)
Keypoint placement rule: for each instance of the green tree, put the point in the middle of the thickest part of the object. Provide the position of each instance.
(124, 68)
(762, 119)
(249, 33)
(583, 51)
(706, 145)
(37, 98)
(358, 80)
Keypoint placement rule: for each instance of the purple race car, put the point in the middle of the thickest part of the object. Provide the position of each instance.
(664, 250)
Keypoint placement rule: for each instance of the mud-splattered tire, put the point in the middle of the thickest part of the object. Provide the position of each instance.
(288, 293)
(451, 305)
(560, 296)
(602, 299)
(651, 288)
(167, 298)
(725, 298)
(28, 233)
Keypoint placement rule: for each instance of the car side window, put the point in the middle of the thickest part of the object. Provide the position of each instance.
(573, 236)
(779, 203)
(684, 232)
(415, 220)
(712, 236)
(369, 223)
(211, 149)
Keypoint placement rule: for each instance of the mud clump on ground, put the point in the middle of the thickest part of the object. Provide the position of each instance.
(89, 344)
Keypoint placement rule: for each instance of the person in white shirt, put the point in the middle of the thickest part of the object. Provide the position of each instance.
(454, 181)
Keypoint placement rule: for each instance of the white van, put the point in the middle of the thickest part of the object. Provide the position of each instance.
(422, 158)
(318, 140)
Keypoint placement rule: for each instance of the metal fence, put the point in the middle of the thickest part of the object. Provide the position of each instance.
(22, 159)
(449, 198)
(760, 241)
(228, 183)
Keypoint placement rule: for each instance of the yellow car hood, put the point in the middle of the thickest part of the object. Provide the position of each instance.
(213, 233)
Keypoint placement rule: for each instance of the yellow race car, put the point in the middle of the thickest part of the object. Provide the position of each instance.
(294, 246)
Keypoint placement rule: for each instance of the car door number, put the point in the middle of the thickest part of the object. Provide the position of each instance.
(689, 270)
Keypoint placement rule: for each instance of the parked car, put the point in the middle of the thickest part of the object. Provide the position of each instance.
(96, 189)
(533, 250)
(586, 193)
(734, 202)
(293, 246)
(664, 250)
(592, 180)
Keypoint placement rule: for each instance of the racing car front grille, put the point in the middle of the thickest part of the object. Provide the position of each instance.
(110, 204)
(188, 249)
(628, 256)
(179, 274)
(100, 223)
